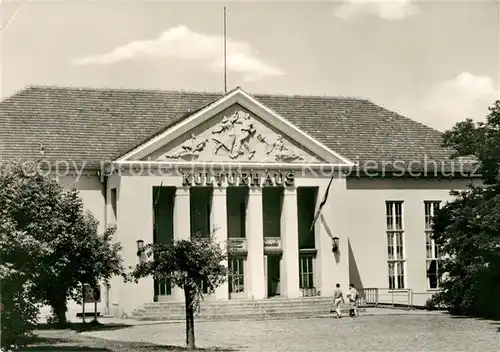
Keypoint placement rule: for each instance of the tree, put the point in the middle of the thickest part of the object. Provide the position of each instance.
(66, 248)
(468, 228)
(19, 308)
(190, 265)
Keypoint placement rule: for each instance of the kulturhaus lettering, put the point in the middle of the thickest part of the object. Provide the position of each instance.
(238, 179)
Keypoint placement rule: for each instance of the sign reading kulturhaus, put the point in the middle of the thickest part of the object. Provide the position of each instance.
(254, 179)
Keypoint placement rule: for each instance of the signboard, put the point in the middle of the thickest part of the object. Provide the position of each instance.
(254, 179)
(91, 294)
(238, 244)
(272, 244)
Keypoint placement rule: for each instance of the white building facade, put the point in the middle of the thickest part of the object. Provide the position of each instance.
(239, 169)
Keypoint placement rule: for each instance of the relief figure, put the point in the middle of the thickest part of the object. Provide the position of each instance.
(242, 140)
(280, 151)
(233, 134)
(226, 135)
(190, 149)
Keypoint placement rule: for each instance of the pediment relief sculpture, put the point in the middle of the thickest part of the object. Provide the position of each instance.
(278, 149)
(190, 149)
(234, 134)
(238, 136)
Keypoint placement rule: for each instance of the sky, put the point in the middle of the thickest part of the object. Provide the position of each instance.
(435, 62)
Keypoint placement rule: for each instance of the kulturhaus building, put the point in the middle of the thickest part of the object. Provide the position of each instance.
(162, 165)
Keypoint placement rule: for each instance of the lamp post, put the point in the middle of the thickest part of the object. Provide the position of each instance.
(335, 244)
(140, 250)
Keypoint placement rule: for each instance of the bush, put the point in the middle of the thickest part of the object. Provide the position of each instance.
(19, 315)
(429, 304)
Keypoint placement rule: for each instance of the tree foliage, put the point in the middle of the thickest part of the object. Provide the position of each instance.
(191, 265)
(49, 245)
(468, 228)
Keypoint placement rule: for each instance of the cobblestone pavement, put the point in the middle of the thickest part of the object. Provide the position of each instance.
(415, 332)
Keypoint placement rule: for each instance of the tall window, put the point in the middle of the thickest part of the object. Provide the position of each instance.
(306, 271)
(431, 248)
(395, 245)
(114, 203)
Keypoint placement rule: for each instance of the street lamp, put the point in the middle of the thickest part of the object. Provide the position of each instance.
(140, 250)
(335, 244)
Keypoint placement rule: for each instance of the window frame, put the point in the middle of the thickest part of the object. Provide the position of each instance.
(430, 207)
(306, 276)
(395, 242)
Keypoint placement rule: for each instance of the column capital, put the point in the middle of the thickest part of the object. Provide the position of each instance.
(220, 191)
(254, 191)
(290, 191)
(182, 191)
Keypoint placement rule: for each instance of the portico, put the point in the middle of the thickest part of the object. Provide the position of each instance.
(272, 250)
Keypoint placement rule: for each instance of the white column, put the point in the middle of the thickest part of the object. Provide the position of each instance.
(255, 241)
(182, 226)
(290, 238)
(219, 225)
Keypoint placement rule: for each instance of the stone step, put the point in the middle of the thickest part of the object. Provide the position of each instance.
(268, 316)
(221, 312)
(230, 317)
(210, 307)
(241, 309)
(239, 303)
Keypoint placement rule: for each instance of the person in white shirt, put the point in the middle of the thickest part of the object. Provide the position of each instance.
(338, 297)
(353, 296)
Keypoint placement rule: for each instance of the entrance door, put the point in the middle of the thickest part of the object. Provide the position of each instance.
(273, 274)
(237, 277)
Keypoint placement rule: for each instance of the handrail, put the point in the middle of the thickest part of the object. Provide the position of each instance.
(376, 297)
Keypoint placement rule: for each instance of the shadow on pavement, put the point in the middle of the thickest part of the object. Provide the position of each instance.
(495, 321)
(71, 341)
(64, 348)
(82, 327)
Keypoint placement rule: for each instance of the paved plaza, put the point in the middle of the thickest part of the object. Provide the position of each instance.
(380, 332)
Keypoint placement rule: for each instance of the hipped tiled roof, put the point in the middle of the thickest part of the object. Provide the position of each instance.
(94, 125)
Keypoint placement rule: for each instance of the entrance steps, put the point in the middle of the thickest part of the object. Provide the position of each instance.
(305, 307)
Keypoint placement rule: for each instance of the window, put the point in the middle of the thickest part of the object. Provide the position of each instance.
(306, 271)
(236, 267)
(272, 201)
(306, 209)
(432, 257)
(162, 287)
(200, 210)
(395, 245)
(114, 203)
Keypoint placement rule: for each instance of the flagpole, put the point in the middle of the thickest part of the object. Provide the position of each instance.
(225, 52)
(318, 212)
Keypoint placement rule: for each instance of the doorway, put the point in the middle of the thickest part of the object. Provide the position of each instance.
(273, 274)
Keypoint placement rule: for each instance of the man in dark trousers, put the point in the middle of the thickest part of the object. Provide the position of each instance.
(353, 297)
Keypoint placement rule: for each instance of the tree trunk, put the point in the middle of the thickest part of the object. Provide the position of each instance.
(83, 303)
(59, 308)
(188, 295)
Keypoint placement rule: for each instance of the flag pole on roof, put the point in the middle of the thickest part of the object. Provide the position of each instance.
(225, 52)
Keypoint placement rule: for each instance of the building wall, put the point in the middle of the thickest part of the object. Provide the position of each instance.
(367, 231)
(91, 191)
(354, 212)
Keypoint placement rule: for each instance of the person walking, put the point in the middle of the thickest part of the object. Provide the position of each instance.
(353, 298)
(338, 297)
